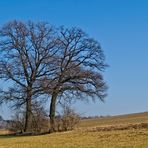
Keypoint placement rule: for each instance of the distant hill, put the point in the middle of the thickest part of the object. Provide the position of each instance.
(134, 118)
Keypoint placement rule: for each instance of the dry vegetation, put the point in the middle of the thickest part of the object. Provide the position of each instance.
(4, 132)
(116, 120)
(80, 138)
(125, 138)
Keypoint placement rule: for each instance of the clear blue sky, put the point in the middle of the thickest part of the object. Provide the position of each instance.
(121, 26)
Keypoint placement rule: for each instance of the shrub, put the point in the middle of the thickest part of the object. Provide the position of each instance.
(68, 120)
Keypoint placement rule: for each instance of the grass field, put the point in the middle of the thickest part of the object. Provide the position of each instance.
(81, 138)
(116, 120)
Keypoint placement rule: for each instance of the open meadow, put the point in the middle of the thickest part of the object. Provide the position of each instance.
(90, 133)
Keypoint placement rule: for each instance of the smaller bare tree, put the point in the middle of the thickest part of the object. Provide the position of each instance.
(40, 121)
(18, 122)
(40, 118)
(68, 118)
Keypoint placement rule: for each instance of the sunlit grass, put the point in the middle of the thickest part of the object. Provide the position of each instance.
(4, 131)
(112, 139)
(80, 138)
(115, 120)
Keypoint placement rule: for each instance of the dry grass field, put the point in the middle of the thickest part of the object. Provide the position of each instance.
(116, 120)
(84, 137)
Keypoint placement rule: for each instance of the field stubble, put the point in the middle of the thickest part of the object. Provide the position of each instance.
(82, 138)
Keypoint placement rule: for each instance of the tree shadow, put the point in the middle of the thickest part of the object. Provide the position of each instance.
(13, 135)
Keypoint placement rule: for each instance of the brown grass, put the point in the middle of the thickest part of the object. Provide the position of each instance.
(133, 138)
(116, 127)
(4, 132)
(115, 120)
(129, 131)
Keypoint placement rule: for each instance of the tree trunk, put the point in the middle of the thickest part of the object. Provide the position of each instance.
(52, 112)
(28, 120)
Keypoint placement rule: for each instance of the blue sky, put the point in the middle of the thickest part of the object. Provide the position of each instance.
(121, 27)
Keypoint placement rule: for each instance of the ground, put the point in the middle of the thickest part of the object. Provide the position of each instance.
(84, 137)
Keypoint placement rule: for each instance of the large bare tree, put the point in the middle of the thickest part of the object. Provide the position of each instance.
(25, 53)
(79, 64)
(36, 58)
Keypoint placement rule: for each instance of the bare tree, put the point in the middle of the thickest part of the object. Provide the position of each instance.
(40, 118)
(37, 59)
(79, 63)
(68, 119)
(25, 53)
(18, 122)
